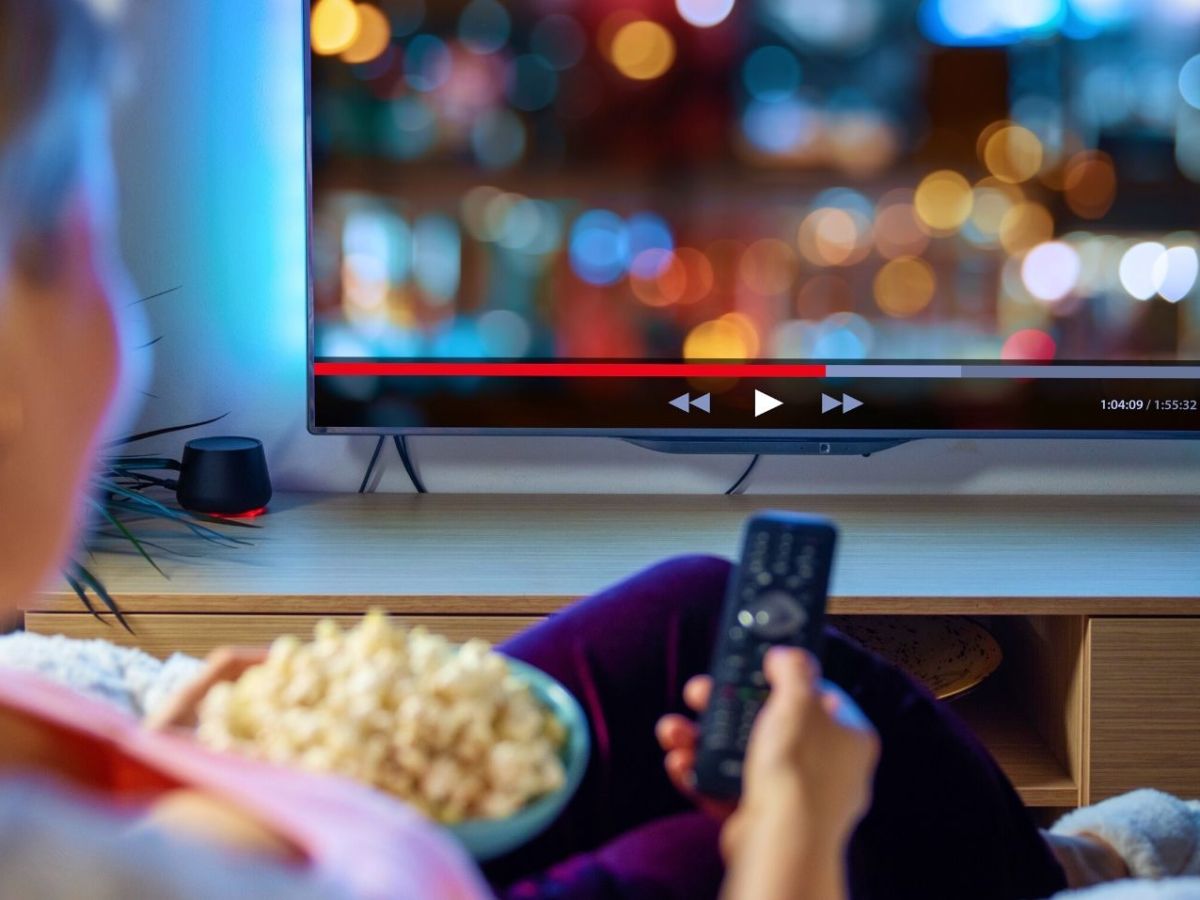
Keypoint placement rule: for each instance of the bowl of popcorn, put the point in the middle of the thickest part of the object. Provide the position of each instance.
(490, 747)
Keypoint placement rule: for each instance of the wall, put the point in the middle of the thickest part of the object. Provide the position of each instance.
(210, 154)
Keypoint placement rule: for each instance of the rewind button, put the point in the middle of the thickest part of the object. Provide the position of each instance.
(685, 403)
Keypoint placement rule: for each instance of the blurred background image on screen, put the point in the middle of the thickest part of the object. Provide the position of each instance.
(756, 179)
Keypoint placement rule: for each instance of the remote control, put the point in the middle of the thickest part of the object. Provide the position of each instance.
(775, 596)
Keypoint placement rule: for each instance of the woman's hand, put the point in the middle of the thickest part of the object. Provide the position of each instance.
(806, 782)
(805, 785)
(678, 736)
(776, 746)
(223, 664)
(811, 757)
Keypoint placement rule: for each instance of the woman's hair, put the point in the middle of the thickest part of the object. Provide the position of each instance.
(55, 57)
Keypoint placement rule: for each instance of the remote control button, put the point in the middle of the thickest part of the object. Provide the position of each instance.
(731, 768)
(746, 618)
(776, 616)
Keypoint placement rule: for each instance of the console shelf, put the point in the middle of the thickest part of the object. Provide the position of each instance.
(1074, 589)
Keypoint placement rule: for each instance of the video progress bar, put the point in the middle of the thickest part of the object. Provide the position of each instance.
(571, 370)
(748, 370)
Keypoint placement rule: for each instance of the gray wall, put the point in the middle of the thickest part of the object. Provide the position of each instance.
(210, 155)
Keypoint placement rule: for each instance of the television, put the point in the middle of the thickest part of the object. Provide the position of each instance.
(766, 225)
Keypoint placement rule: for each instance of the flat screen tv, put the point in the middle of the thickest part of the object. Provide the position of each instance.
(768, 224)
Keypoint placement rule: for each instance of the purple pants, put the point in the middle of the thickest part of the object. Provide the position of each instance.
(945, 822)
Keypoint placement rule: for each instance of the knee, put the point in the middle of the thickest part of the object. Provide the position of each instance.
(695, 583)
(699, 579)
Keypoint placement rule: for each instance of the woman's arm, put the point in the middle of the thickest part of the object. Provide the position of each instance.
(807, 783)
(777, 857)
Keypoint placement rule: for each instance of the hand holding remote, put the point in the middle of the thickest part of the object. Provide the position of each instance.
(825, 740)
(807, 783)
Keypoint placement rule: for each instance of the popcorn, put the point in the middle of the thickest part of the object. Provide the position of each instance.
(449, 729)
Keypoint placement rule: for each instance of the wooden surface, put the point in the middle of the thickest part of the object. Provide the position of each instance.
(1144, 696)
(1028, 761)
(1045, 663)
(197, 634)
(529, 555)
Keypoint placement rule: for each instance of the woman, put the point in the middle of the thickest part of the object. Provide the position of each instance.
(78, 781)
(90, 805)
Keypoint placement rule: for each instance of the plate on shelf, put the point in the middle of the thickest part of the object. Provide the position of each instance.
(950, 655)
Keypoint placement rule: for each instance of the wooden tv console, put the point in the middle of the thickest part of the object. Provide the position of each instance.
(1096, 601)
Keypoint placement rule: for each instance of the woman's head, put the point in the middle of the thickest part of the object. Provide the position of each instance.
(60, 282)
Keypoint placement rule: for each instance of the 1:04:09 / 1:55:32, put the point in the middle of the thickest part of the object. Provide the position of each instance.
(1151, 405)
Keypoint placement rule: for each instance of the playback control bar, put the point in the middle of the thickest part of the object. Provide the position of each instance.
(777, 398)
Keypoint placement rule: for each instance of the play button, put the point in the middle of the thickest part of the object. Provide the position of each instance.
(849, 404)
(764, 403)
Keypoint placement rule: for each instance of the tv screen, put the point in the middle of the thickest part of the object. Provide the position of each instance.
(731, 219)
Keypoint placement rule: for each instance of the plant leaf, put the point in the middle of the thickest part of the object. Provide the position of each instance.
(178, 287)
(129, 536)
(137, 463)
(81, 593)
(158, 432)
(100, 591)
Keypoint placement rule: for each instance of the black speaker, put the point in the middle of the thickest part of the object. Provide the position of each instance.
(224, 476)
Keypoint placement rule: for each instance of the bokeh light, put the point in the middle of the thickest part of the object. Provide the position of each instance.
(1029, 345)
(991, 202)
(897, 232)
(484, 26)
(843, 335)
(833, 25)
(437, 257)
(498, 139)
(1090, 184)
(335, 25)
(943, 201)
(1189, 82)
(651, 241)
(704, 13)
(749, 332)
(1050, 271)
(414, 128)
(1174, 273)
(427, 63)
(505, 334)
(905, 286)
(642, 50)
(1137, 269)
(374, 36)
(822, 295)
(600, 247)
(1013, 154)
(833, 236)
(532, 83)
(768, 267)
(771, 74)
(779, 128)
(717, 339)
(1024, 226)
(560, 40)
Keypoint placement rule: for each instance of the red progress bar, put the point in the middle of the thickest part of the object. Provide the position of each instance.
(570, 370)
